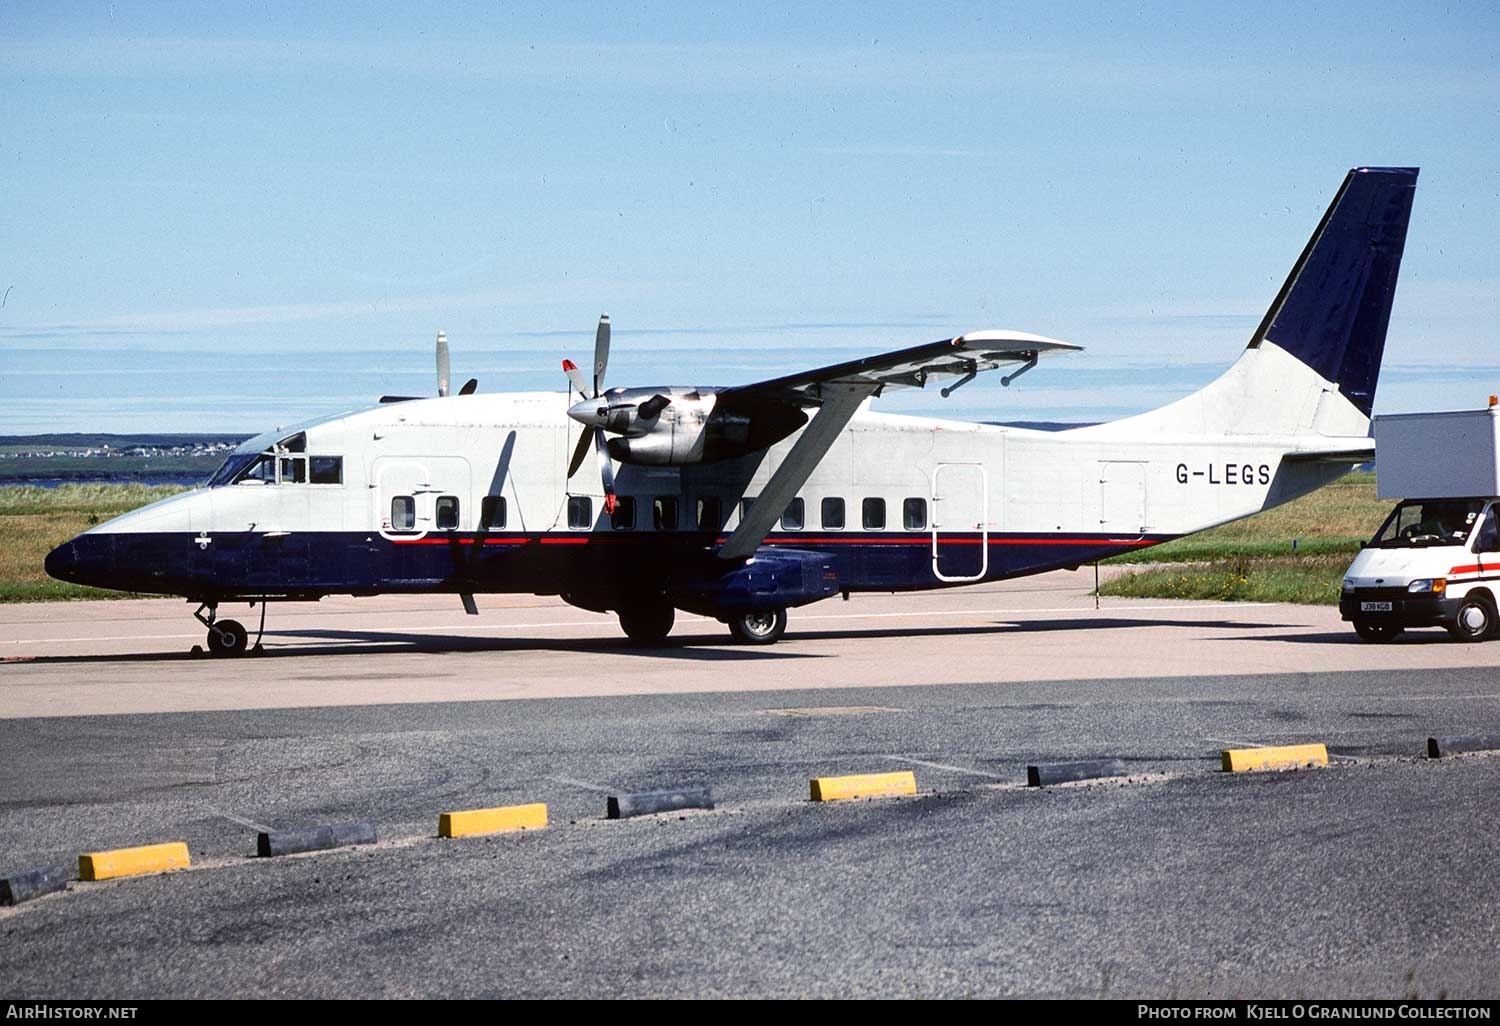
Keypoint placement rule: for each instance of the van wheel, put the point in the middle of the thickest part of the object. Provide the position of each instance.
(1375, 631)
(648, 625)
(763, 628)
(1475, 620)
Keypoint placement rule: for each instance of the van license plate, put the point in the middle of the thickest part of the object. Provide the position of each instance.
(1374, 607)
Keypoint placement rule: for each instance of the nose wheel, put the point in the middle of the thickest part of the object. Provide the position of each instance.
(228, 637)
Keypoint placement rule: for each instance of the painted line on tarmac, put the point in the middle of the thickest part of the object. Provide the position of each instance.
(945, 766)
(555, 625)
(257, 827)
(585, 785)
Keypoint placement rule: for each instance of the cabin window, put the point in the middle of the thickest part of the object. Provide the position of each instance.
(664, 513)
(833, 514)
(914, 514)
(447, 513)
(580, 512)
(403, 513)
(623, 518)
(708, 514)
(325, 469)
(293, 470)
(791, 517)
(872, 514)
(492, 513)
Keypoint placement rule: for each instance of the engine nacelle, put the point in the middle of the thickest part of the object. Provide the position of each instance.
(771, 579)
(703, 430)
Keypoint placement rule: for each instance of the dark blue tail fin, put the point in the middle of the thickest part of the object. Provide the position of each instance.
(1333, 310)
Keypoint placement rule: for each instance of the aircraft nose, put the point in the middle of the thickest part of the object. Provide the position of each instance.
(62, 562)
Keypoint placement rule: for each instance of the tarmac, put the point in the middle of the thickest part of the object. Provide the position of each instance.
(1371, 877)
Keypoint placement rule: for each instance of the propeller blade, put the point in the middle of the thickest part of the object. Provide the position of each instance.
(442, 363)
(576, 377)
(580, 451)
(398, 398)
(652, 407)
(469, 387)
(606, 471)
(601, 353)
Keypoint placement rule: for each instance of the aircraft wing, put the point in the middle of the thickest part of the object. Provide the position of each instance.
(838, 391)
(960, 357)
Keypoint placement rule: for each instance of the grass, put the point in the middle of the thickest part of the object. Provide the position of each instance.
(33, 521)
(1294, 553)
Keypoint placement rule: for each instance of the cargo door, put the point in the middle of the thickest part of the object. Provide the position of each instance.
(1122, 497)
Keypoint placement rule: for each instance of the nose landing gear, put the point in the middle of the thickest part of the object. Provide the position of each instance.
(228, 637)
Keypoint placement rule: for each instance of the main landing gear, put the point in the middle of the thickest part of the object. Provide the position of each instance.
(764, 627)
(650, 625)
(228, 637)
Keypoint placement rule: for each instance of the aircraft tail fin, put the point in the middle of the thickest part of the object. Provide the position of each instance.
(1312, 364)
(1333, 310)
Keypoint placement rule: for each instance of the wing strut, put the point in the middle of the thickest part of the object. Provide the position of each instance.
(840, 400)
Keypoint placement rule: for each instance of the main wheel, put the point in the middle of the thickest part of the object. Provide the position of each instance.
(648, 625)
(1475, 620)
(762, 628)
(1375, 631)
(227, 638)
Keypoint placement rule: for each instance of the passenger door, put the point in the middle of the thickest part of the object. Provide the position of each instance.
(960, 522)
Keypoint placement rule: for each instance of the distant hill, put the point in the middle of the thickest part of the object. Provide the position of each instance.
(104, 457)
(87, 440)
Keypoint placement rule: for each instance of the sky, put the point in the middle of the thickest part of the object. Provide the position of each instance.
(221, 217)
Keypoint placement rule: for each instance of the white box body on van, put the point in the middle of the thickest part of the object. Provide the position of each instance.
(1437, 455)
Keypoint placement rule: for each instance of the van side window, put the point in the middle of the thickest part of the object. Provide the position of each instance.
(872, 513)
(664, 513)
(580, 512)
(833, 514)
(1488, 538)
(403, 513)
(914, 514)
(708, 513)
(325, 469)
(792, 516)
(623, 518)
(492, 513)
(447, 513)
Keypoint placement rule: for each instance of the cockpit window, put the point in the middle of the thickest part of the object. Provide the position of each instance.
(325, 469)
(230, 468)
(293, 470)
(1422, 523)
(261, 471)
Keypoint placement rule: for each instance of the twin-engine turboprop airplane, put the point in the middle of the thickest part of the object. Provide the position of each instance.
(741, 503)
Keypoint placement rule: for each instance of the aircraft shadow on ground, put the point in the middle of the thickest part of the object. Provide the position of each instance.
(706, 648)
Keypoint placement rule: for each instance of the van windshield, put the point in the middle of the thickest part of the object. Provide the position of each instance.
(1423, 522)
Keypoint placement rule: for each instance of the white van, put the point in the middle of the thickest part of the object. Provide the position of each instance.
(1435, 562)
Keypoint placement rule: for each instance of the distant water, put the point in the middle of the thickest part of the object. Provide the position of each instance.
(247, 390)
(51, 390)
